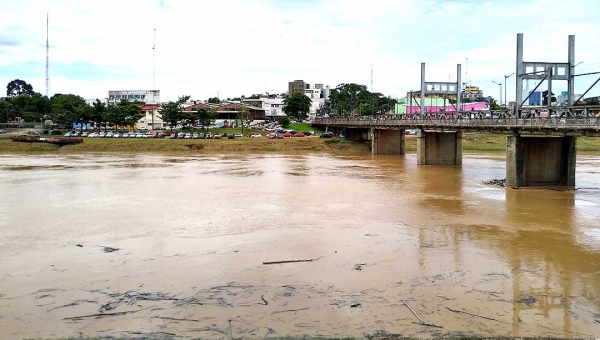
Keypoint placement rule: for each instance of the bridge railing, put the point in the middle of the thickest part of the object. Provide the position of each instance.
(415, 121)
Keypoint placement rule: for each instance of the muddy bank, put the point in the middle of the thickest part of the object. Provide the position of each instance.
(190, 146)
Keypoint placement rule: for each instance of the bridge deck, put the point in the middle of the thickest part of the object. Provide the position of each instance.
(534, 126)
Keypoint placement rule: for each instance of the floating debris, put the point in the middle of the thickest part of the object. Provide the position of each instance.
(496, 182)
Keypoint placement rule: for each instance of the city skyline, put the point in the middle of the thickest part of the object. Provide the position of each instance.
(235, 47)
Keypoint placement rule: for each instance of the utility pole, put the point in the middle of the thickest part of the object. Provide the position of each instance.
(506, 77)
(153, 74)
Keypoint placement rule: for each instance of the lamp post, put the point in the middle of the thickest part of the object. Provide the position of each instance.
(499, 84)
(506, 77)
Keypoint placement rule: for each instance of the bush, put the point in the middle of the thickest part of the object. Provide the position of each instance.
(284, 121)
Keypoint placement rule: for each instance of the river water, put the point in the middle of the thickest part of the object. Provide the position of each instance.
(193, 232)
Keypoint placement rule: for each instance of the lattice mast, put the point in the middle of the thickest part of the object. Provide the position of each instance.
(47, 59)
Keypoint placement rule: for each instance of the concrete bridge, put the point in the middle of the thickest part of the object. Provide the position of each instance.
(540, 152)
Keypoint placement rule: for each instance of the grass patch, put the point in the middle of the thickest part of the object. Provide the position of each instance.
(302, 127)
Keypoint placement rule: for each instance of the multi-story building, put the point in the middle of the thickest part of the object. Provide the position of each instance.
(417, 94)
(471, 92)
(273, 106)
(145, 96)
(297, 86)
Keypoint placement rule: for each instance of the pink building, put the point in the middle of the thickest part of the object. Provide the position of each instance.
(449, 108)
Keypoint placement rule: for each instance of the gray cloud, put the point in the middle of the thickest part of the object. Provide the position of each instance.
(7, 41)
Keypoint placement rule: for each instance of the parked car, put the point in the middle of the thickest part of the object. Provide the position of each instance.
(201, 135)
(139, 135)
(117, 135)
(279, 135)
(256, 135)
(287, 135)
(143, 128)
(195, 135)
(92, 135)
(2, 131)
(239, 135)
(109, 134)
(68, 134)
(299, 134)
(85, 134)
(209, 135)
(325, 135)
(102, 134)
(181, 135)
(173, 136)
(217, 136)
(272, 136)
(188, 136)
(230, 136)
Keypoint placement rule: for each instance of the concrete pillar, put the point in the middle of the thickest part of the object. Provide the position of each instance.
(387, 142)
(540, 161)
(439, 148)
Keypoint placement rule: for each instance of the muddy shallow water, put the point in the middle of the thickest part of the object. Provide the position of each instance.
(188, 236)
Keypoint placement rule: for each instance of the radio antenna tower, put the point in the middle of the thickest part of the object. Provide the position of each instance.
(47, 60)
(154, 62)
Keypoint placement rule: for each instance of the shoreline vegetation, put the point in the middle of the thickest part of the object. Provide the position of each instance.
(471, 143)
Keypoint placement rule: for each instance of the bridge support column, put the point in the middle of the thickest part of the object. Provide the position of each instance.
(387, 142)
(540, 161)
(439, 148)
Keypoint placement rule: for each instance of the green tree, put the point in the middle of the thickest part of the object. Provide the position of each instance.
(131, 113)
(214, 100)
(242, 116)
(172, 112)
(254, 96)
(284, 121)
(68, 108)
(18, 87)
(346, 98)
(30, 107)
(6, 110)
(205, 117)
(297, 105)
(98, 113)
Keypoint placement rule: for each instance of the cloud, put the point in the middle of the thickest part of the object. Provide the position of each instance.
(239, 47)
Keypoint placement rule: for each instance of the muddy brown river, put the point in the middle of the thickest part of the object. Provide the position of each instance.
(161, 246)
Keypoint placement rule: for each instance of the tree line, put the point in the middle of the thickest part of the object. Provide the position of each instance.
(355, 99)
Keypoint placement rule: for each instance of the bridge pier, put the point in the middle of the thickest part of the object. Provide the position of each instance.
(540, 161)
(387, 142)
(439, 148)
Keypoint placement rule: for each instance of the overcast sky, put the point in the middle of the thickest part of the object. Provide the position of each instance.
(235, 47)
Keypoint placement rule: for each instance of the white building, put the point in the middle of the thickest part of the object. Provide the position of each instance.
(151, 119)
(317, 97)
(145, 96)
(273, 106)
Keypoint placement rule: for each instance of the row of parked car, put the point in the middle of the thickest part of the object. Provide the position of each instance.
(189, 135)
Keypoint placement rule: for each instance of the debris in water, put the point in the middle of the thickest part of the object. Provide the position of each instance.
(354, 305)
(79, 245)
(497, 182)
(529, 301)
(289, 261)
(359, 266)
(109, 249)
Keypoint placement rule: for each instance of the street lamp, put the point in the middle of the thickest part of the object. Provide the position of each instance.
(506, 77)
(499, 84)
